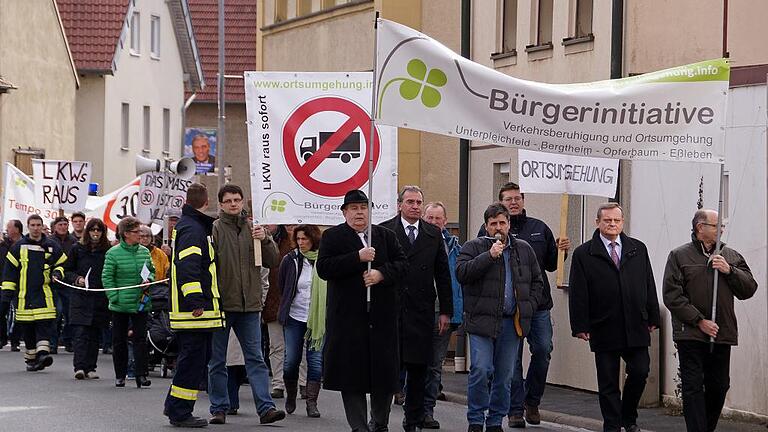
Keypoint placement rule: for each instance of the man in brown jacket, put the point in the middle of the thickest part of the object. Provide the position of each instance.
(688, 292)
(241, 299)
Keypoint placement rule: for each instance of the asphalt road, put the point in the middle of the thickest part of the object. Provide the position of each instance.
(52, 401)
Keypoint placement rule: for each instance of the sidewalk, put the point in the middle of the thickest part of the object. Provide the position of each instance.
(580, 409)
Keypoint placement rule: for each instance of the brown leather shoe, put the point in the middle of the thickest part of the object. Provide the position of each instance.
(271, 416)
(218, 418)
(532, 415)
(516, 422)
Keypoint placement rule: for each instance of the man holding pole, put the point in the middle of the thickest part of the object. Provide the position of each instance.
(526, 394)
(703, 341)
(361, 347)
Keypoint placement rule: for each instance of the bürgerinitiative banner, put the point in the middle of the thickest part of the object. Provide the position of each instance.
(575, 175)
(676, 114)
(309, 136)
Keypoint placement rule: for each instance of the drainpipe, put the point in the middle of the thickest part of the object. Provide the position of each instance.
(617, 57)
(460, 358)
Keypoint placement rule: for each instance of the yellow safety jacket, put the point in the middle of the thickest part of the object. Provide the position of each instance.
(193, 274)
(27, 277)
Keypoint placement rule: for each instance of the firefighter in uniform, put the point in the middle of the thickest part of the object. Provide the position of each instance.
(195, 310)
(27, 281)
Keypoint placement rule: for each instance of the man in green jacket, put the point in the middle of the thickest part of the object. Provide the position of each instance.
(688, 292)
(241, 300)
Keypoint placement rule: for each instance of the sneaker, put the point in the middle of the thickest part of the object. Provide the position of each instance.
(190, 422)
(91, 375)
(271, 416)
(277, 393)
(43, 362)
(218, 418)
(430, 423)
(79, 375)
(532, 415)
(516, 422)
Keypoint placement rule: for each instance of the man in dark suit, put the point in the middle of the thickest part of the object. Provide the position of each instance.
(613, 306)
(360, 354)
(428, 270)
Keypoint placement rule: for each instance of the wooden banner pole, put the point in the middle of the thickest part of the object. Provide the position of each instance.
(560, 275)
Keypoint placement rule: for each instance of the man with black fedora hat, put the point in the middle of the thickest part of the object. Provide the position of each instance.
(361, 346)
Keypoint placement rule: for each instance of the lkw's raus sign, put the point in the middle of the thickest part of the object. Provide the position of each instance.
(310, 142)
(61, 185)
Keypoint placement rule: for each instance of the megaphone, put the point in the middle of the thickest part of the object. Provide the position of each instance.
(184, 168)
(144, 165)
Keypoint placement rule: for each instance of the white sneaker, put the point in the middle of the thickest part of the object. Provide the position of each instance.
(91, 375)
(80, 375)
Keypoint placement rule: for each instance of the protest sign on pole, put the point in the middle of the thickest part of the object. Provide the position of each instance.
(19, 198)
(309, 136)
(61, 185)
(677, 114)
(160, 192)
(574, 175)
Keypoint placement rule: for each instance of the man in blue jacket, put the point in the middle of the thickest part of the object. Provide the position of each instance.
(436, 214)
(526, 394)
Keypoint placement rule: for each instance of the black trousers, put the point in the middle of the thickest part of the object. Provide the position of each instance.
(191, 370)
(37, 337)
(120, 326)
(6, 321)
(705, 378)
(85, 341)
(416, 376)
(619, 408)
(356, 409)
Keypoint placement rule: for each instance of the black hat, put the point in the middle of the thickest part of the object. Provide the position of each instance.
(59, 219)
(354, 196)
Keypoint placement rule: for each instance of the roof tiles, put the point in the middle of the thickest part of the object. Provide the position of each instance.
(93, 30)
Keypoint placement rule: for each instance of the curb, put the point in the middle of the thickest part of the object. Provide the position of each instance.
(546, 416)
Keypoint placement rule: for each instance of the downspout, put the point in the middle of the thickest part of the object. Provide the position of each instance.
(617, 57)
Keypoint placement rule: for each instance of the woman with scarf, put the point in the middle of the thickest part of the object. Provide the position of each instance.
(302, 315)
(88, 313)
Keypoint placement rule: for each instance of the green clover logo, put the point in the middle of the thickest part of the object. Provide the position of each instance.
(421, 81)
(277, 206)
(20, 182)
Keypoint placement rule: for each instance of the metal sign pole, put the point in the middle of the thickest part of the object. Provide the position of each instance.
(371, 139)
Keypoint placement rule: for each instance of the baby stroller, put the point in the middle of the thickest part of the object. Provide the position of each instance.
(162, 349)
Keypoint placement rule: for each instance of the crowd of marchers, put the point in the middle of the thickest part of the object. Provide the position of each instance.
(367, 310)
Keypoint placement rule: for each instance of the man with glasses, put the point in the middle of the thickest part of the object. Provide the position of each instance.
(613, 306)
(526, 394)
(688, 290)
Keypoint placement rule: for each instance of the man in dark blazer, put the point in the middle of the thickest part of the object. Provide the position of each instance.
(360, 354)
(613, 305)
(428, 270)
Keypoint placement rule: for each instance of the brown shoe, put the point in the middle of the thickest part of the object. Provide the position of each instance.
(399, 398)
(532, 415)
(218, 418)
(271, 416)
(516, 422)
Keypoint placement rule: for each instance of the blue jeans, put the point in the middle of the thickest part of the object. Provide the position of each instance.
(530, 390)
(493, 360)
(293, 332)
(247, 327)
(435, 370)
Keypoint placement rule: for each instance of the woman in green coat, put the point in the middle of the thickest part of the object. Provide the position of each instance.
(128, 263)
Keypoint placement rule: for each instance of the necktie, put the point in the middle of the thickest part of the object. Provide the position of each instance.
(614, 255)
(411, 233)
(364, 238)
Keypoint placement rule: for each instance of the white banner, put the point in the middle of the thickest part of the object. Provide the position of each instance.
(675, 114)
(159, 193)
(61, 185)
(19, 201)
(574, 175)
(309, 135)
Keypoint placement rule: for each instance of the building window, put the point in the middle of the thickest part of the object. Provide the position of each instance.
(22, 158)
(500, 178)
(583, 18)
(325, 4)
(135, 33)
(147, 141)
(303, 7)
(155, 36)
(544, 23)
(125, 127)
(281, 10)
(509, 27)
(166, 132)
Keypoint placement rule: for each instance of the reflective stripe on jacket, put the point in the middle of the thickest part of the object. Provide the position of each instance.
(27, 275)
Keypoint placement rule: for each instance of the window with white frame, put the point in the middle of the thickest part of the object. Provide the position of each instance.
(136, 33)
(155, 36)
(147, 132)
(509, 26)
(166, 131)
(125, 117)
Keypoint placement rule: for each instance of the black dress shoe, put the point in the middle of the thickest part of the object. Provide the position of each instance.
(430, 423)
(120, 382)
(15, 348)
(218, 418)
(142, 381)
(190, 422)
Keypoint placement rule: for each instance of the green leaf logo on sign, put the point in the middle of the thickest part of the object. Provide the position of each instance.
(421, 81)
(277, 206)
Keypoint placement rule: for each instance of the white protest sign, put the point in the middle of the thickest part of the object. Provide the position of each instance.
(557, 173)
(676, 114)
(159, 193)
(309, 139)
(61, 185)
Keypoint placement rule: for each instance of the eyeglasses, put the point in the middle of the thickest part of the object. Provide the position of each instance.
(96, 229)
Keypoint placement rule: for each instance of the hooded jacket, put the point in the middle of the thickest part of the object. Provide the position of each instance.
(122, 267)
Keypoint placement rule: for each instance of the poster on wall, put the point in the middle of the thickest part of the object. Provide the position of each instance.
(200, 145)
